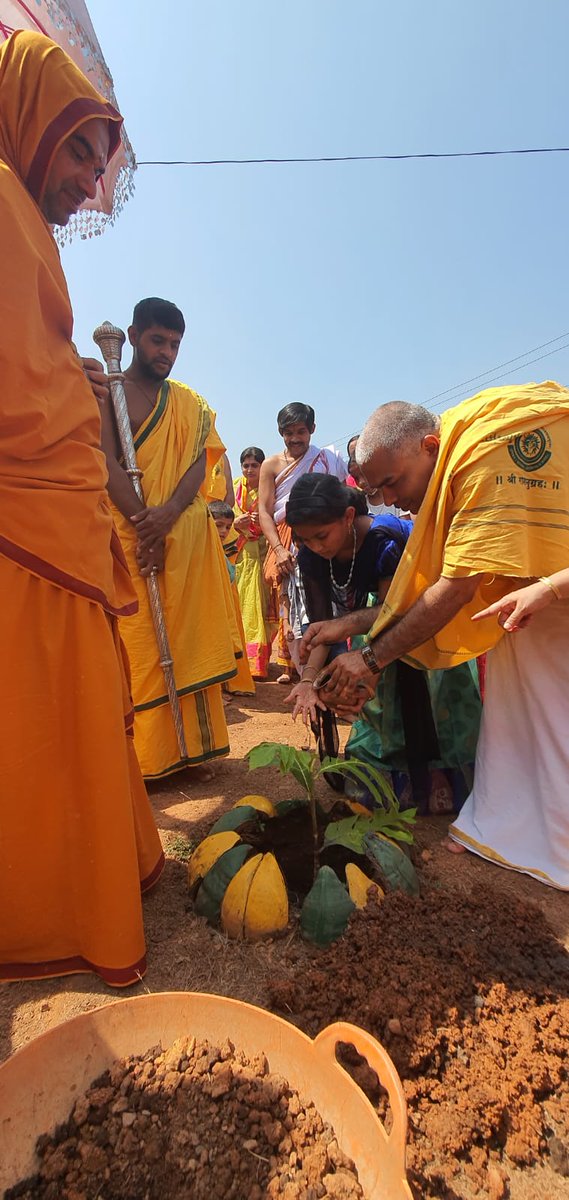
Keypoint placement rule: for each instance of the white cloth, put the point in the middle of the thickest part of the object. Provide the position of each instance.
(321, 462)
(380, 510)
(518, 812)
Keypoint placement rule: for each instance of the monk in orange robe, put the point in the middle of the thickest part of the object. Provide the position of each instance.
(77, 836)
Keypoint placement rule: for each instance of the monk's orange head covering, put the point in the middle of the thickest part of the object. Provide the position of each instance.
(44, 98)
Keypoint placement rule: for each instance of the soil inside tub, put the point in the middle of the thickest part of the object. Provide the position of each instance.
(196, 1122)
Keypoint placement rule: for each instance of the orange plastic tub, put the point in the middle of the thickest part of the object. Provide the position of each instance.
(40, 1083)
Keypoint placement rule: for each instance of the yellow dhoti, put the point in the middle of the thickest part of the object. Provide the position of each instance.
(195, 590)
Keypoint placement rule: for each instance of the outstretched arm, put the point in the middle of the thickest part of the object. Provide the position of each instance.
(338, 629)
(434, 609)
(515, 610)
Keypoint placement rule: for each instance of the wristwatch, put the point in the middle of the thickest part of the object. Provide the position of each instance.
(370, 660)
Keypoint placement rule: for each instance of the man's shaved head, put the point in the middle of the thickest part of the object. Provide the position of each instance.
(397, 452)
(393, 426)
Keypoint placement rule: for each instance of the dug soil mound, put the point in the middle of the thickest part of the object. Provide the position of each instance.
(470, 998)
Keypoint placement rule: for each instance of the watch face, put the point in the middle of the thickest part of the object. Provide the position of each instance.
(369, 659)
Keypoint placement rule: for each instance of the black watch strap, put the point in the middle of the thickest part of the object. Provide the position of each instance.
(370, 660)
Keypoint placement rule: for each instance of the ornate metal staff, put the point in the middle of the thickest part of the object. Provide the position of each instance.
(110, 340)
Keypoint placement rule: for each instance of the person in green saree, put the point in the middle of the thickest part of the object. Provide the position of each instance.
(419, 727)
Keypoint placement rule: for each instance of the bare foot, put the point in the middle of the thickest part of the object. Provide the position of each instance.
(452, 846)
(227, 698)
(284, 679)
(202, 773)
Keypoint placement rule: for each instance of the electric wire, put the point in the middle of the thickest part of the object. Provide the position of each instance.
(502, 375)
(346, 158)
(340, 441)
(491, 370)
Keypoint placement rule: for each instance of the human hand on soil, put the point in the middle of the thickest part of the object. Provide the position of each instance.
(306, 701)
(515, 610)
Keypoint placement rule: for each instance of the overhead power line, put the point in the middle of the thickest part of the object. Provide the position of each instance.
(338, 158)
(494, 378)
(507, 363)
(473, 378)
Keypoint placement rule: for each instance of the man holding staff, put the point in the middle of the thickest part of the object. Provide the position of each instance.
(77, 836)
(172, 535)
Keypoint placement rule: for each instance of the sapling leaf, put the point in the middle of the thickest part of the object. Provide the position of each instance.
(263, 755)
(379, 789)
(408, 814)
(349, 832)
(352, 832)
(398, 835)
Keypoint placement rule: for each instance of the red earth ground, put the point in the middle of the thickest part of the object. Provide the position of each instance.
(467, 987)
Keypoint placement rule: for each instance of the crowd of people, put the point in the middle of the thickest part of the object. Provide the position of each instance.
(388, 586)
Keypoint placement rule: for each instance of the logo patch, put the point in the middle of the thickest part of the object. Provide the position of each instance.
(532, 450)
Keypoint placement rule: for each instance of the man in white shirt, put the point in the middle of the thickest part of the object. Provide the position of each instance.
(296, 424)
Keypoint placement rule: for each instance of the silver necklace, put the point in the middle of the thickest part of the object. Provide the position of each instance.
(343, 587)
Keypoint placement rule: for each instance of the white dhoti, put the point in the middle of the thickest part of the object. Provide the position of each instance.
(517, 814)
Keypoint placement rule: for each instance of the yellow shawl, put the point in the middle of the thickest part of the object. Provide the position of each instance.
(497, 504)
(195, 585)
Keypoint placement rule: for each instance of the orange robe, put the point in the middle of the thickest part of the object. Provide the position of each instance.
(77, 835)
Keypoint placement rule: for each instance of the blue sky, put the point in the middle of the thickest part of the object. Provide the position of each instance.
(340, 285)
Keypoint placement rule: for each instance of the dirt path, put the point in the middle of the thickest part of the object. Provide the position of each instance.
(185, 954)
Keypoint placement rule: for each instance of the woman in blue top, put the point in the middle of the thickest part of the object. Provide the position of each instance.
(420, 727)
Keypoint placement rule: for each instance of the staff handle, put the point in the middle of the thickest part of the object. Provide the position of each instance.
(110, 340)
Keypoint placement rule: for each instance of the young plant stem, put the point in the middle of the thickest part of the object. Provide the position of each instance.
(314, 821)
